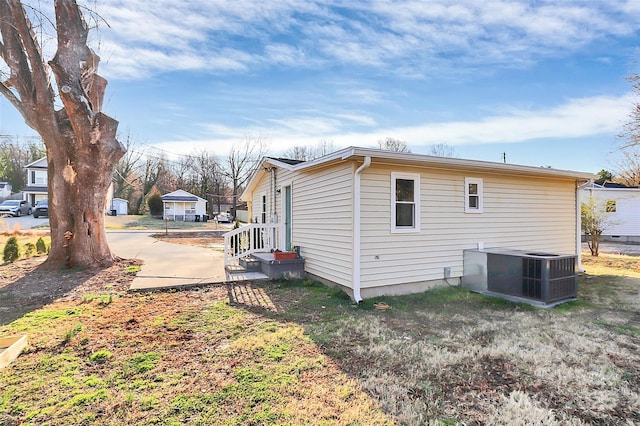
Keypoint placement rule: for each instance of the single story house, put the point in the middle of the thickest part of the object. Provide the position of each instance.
(378, 222)
(181, 205)
(622, 207)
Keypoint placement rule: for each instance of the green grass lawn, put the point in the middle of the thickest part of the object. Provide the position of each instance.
(301, 353)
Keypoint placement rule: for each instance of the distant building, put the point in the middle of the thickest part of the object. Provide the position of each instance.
(37, 181)
(5, 189)
(622, 206)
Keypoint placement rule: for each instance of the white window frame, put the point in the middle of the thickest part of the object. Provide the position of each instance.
(415, 177)
(467, 206)
(264, 208)
(40, 178)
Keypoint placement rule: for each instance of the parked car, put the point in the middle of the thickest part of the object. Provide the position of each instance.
(224, 218)
(15, 207)
(41, 209)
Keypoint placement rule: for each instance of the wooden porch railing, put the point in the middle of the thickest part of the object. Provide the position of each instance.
(252, 238)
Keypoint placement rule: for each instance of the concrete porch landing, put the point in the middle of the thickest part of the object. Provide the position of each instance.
(265, 265)
(168, 265)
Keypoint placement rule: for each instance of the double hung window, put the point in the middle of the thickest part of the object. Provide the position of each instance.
(405, 202)
(472, 195)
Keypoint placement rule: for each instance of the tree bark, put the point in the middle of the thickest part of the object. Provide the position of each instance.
(80, 140)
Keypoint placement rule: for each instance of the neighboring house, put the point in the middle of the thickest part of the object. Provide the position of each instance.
(622, 206)
(378, 222)
(36, 188)
(5, 190)
(182, 206)
(37, 184)
(242, 212)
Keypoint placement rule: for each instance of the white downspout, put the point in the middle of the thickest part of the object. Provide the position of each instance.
(578, 222)
(356, 230)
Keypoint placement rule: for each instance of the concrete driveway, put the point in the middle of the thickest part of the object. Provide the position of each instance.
(167, 265)
(23, 222)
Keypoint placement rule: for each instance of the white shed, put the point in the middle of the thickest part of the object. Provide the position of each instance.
(183, 206)
(120, 205)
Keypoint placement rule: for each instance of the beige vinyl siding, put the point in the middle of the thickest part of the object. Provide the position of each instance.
(322, 221)
(263, 188)
(521, 213)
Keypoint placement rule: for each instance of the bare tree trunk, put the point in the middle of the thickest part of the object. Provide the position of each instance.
(593, 241)
(80, 140)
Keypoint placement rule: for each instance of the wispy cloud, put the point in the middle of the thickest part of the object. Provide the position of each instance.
(404, 37)
(574, 119)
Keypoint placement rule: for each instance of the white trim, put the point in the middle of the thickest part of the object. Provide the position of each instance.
(357, 222)
(264, 208)
(283, 206)
(467, 207)
(579, 187)
(415, 177)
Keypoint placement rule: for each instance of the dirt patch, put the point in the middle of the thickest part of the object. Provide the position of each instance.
(26, 286)
(210, 239)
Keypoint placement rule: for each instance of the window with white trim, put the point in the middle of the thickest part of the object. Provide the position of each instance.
(38, 177)
(190, 208)
(473, 195)
(405, 202)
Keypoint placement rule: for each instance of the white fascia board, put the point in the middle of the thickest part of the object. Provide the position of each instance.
(33, 163)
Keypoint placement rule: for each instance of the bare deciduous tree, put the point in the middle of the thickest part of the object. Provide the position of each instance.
(298, 152)
(207, 174)
(126, 180)
(15, 154)
(442, 150)
(241, 162)
(306, 153)
(81, 144)
(154, 168)
(628, 167)
(631, 130)
(392, 144)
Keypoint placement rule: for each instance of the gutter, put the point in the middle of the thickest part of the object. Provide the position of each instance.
(356, 229)
(579, 188)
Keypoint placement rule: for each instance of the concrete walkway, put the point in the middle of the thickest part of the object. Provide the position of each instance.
(167, 265)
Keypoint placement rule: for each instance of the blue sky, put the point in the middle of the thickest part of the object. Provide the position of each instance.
(542, 81)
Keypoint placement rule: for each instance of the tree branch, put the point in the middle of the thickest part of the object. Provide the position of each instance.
(43, 94)
(33, 96)
(72, 55)
(15, 101)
